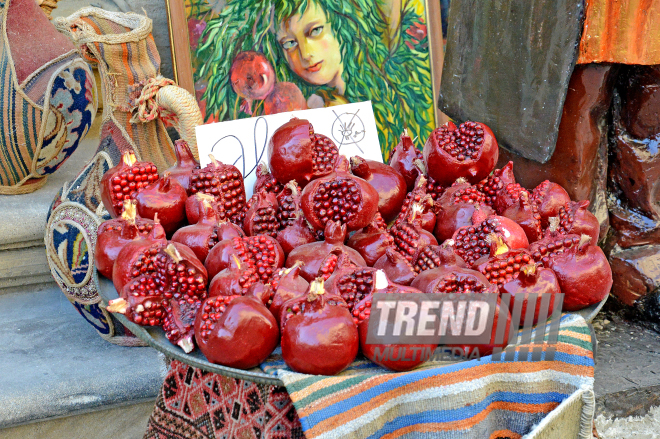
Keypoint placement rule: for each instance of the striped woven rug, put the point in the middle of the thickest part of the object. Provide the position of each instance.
(471, 399)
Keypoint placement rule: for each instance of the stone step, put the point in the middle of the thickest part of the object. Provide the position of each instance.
(61, 380)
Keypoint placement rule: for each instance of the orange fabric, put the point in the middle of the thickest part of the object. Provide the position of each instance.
(621, 31)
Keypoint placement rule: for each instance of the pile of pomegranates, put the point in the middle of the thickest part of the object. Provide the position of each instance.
(299, 262)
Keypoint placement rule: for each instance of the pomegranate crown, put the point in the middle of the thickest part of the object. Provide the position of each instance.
(130, 210)
(316, 289)
(129, 159)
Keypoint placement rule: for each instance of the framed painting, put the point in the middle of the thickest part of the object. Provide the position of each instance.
(244, 58)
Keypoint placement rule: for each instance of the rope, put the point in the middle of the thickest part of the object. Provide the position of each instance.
(146, 105)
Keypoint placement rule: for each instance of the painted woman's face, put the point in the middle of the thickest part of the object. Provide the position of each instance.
(310, 47)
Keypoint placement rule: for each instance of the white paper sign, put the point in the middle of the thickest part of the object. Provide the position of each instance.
(244, 142)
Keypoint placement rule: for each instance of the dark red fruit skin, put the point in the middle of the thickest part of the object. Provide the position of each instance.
(262, 292)
(525, 213)
(584, 275)
(451, 215)
(574, 218)
(410, 237)
(295, 235)
(429, 281)
(535, 280)
(371, 242)
(389, 184)
(126, 164)
(289, 285)
(445, 169)
(233, 280)
(129, 301)
(286, 96)
(322, 338)
(222, 253)
(545, 248)
(419, 196)
(263, 209)
(290, 152)
(364, 210)
(128, 255)
(243, 336)
(434, 256)
(311, 255)
(195, 206)
(265, 180)
(395, 265)
(404, 159)
(165, 198)
(498, 180)
(549, 197)
(185, 163)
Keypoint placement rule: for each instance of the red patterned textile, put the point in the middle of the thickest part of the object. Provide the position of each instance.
(194, 404)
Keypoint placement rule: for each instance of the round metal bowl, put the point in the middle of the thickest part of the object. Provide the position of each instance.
(155, 337)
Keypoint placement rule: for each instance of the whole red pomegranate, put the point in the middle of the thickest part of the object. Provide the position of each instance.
(185, 163)
(124, 180)
(469, 150)
(286, 96)
(295, 152)
(261, 251)
(252, 77)
(495, 182)
(371, 241)
(225, 183)
(389, 184)
(455, 207)
(406, 160)
(287, 284)
(114, 234)
(311, 255)
(395, 265)
(319, 336)
(165, 198)
(549, 197)
(236, 331)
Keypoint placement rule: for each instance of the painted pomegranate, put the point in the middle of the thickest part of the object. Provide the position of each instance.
(574, 218)
(371, 241)
(287, 284)
(495, 182)
(406, 160)
(295, 152)
(455, 207)
(260, 218)
(225, 184)
(584, 274)
(252, 77)
(395, 265)
(319, 336)
(421, 197)
(339, 196)
(165, 198)
(311, 255)
(114, 234)
(265, 180)
(261, 252)
(236, 332)
(185, 163)
(549, 197)
(124, 180)
(515, 203)
(286, 96)
(389, 184)
(469, 150)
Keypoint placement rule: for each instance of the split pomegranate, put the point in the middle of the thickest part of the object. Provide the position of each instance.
(252, 77)
(311, 255)
(549, 246)
(419, 196)
(260, 217)
(389, 184)
(410, 237)
(141, 301)
(515, 203)
(225, 184)
(495, 182)
(339, 196)
(434, 256)
(405, 160)
(288, 204)
(287, 284)
(351, 283)
(179, 322)
(265, 180)
(233, 280)
(455, 208)
(395, 265)
(261, 252)
(295, 152)
(236, 332)
(286, 96)
(185, 163)
(165, 198)
(319, 336)
(452, 280)
(574, 218)
(549, 197)
(338, 259)
(469, 150)
(371, 241)
(124, 180)
(139, 257)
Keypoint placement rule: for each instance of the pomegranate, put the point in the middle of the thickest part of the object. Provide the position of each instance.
(515, 203)
(195, 206)
(452, 279)
(405, 160)
(455, 208)
(336, 260)
(574, 218)
(339, 196)
(295, 152)
(114, 234)
(419, 196)
(141, 301)
(252, 77)
(319, 336)
(495, 182)
(295, 235)
(549, 246)
(225, 183)
(261, 252)
(469, 150)
(410, 237)
(474, 242)
(287, 284)
(260, 217)
(265, 180)
(549, 198)
(286, 96)
(395, 265)
(233, 280)
(179, 322)
(311, 255)
(371, 241)
(434, 256)
(389, 184)
(584, 274)
(236, 332)
(288, 204)
(434, 189)
(166, 198)
(185, 163)
(138, 257)
(351, 283)
(122, 181)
